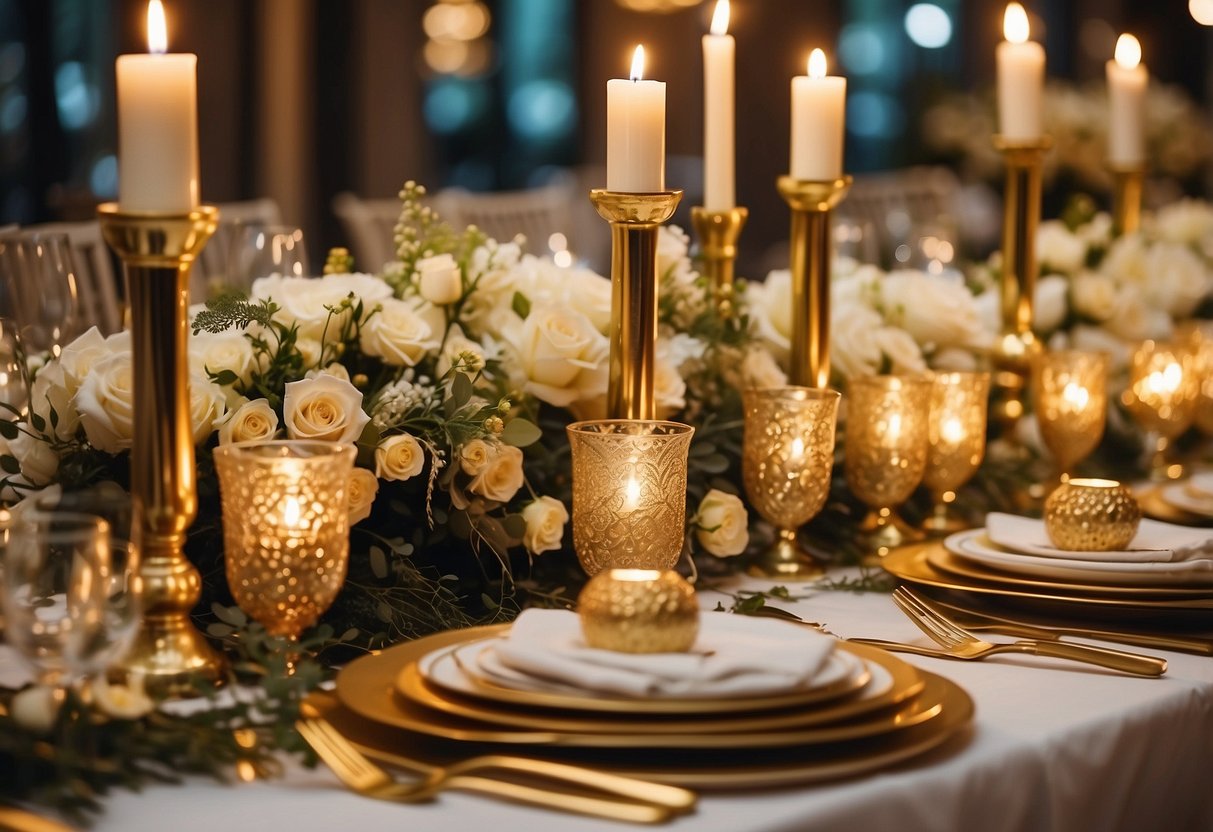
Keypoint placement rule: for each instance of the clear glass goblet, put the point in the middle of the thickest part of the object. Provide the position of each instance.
(956, 438)
(1161, 397)
(259, 250)
(787, 461)
(1070, 395)
(40, 292)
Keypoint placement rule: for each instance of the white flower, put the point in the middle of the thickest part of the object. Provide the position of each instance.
(559, 354)
(770, 305)
(335, 370)
(36, 708)
(673, 244)
(1187, 221)
(936, 311)
(474, 457)
(900, 350)
(106, 405)
(1178, 280)
(217, 352)
(758, 369)
(399, 457)
(306, 301)
(38, 460)
(252, 421)
(311, 351)
(589, 293)
(122, 701)
(458, 344)
(1059, 250)
(721, 524)
(1093, 296)
(439, 280)
(362, 488)
(399, 334)
(954, 359)
(854, 350)
(323, 408)
(1050, 304)
(545, 519)
(501, 477)
(1134, 320)
(208, 406)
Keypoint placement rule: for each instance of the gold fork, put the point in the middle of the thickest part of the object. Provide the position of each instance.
(959, 643)
(369, 780)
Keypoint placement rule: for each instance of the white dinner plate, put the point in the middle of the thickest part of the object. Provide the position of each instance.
(1200, 485)
(1154, 541)
(1182, 496)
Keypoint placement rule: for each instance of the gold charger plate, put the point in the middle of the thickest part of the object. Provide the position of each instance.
(705, 770)
(1154, 505)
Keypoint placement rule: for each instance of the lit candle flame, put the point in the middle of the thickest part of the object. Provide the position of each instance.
(797, 449)
(1076, 395)
(157, 29)
(638, 63)
(1015, 24)
(1128, 51)
(952, 431)
(291, 513)
(720, 18)
(817, 64)
(631, 495)
(892, 431)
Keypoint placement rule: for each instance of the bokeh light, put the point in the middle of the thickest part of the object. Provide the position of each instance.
(928, 25)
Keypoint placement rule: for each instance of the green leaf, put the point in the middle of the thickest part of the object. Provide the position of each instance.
(229, 615)
(520, 433)
(9, 464)
(224, 378)
(38, 422)
(8, 430)
(515, 525)
(521, 305)
(461, 389)
(489, 603)
(378, 562)
(712, 464)
(217, 630)
(749, 606)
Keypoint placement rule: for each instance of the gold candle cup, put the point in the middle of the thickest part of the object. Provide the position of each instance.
(787, 461)
(956, 439)
(1161, 397)
(639, 611)
(1091, 515)
(1070, 394)
(629, 493)
(285, 528)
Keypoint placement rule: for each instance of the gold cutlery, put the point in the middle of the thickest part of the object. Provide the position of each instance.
(959, 643)
(367, 779)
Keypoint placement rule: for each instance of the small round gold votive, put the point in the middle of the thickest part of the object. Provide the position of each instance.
(639, 611)
(1091, 515)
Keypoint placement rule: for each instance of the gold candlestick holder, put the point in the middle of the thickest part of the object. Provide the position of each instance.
(634, 219)
(1017, 345)
(157, 252)
(718, 232)
(1128, 186)
(811, 202)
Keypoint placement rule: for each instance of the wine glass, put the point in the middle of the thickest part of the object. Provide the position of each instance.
(40, 295)
(1162, 396)
(1070, 396)
(259, 250)
(956, 436)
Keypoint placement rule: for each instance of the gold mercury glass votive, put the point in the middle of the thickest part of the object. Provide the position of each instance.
(1091, 515)
(956, 438)
(1198, 335)
(1070, 394)
(629, 492)
(1162, 396)
(885, 453)
(787, 460)
(285, 528)
(639, 611)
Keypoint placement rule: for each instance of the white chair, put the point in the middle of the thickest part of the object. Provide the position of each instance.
(97, 284)
(536, 213)
(369, 225)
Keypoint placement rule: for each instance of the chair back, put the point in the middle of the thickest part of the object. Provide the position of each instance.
(536, 214)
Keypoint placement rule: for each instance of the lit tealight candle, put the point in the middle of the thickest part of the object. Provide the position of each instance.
(1021, 73)
(718, 113)
(1127, 82)
(818, 117)
(953, 431)
(157, 125)
(636, 132)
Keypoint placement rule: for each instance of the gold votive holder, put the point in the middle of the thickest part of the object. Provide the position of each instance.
(1091, 515)
(1161, 397)
(285, 528)
(885, 454)
(629, 493)
(1070, 395)
(787, 461)
(639, 611)
(956, 441)
(1198, 336)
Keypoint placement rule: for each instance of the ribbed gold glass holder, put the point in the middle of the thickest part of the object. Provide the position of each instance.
(157, 252)
(634, 220)
(1017, 345)
(811, 203)
(718, 232)
(1128, 187)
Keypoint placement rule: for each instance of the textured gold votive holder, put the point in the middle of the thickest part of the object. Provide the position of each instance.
(1091, 515)
(1161, 397)
(639, 611)
(1128, 186)
(956, 442)
(718, 232)
(629, 493)
(1070, 396)
(286, 528)
(1198, 336)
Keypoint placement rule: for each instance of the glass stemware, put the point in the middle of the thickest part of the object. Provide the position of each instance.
(787, 460)
(1070, 394)
(1162, 395)
(259, 250)
(956, 437)
(39, 290)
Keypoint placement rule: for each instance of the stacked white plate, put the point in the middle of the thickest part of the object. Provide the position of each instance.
(1193, 495)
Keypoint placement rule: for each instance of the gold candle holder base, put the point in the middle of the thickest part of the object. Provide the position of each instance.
(811, 202)
(1017, 346)
(718, 232)
(1128, 187)
(634, 220)
(157, 252)
(941, 522)
(786, 560)
(881, 532)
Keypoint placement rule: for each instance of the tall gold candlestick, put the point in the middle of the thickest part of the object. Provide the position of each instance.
(1017, 344)
(634, 219)
(1129, 183)
(157, 252)
(811, 202)
(718, 232)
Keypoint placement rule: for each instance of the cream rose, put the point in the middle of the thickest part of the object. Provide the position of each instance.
(854, 349)
(399, 457)
(305, 301)
(208, 406)
(936, 311)
(36, 708)
(216, 352)
(557, 352)
(439, 280)
(758, 369)
(771, 308)
(474, 457)
(121, 701)
(1050, 305)
(458, 344)
(545, 519)
(105, 403)
(362, 488)
(38, 460)
(1059, 250)
(722, 525)
(323, 408)
(1093, 296)
(501, 477)
(335, 370)
(252, 421)
(398, 334)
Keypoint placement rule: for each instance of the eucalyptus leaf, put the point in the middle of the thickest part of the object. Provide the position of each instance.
(520, 433)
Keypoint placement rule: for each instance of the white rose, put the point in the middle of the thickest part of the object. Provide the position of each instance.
(770, 305)
(900, 350)
(399, 457)
(589, 293)
(216, 352)
(545, 519)
(954, 359)
(1188, 221)
(106, 405)
(208, 406)
(439, 279)
(559, 354)
(304, 301)
(457, 344)
(121, 701)
(36, 708)
(398, 334)
(501, 477)
(53, 391)
(936, 311)
(1093, 296)
(363, 487)
(722, 526)
(335, 370)
(673, 244)
(474, 457)
(1050, 305)
(1131, 319)
(758, 369)
(323, 408)
(854, 350)
(38, 460)
(78, 357)
(1059, 250)
(252, 421)
(1178, 281)
(311, 350)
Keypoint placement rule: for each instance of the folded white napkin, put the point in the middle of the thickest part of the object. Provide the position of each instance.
(733, 656)
(1155, 542)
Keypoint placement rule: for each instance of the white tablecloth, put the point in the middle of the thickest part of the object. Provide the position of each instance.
(1055, 746)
